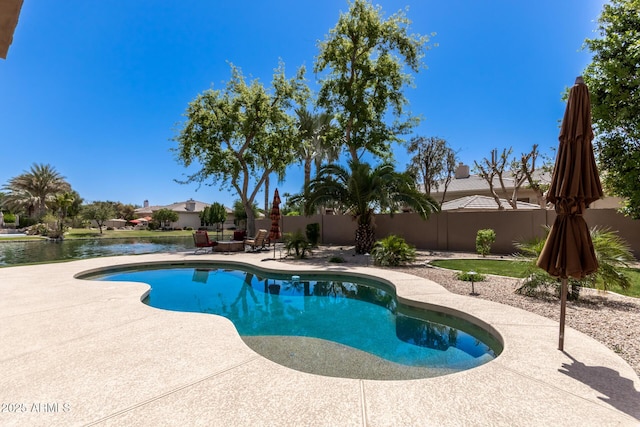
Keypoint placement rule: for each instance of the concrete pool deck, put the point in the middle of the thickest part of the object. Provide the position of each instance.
(75, 352)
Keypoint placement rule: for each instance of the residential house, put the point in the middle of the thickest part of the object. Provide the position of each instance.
(464, 184)
(188, 213)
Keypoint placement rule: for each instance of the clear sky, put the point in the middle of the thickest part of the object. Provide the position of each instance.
(97, 89)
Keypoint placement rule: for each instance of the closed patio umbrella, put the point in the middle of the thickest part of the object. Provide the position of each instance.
(275, 233)
(568, 251)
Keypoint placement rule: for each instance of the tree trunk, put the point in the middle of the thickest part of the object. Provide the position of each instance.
(365, 238)
(307, 172)
(266, 195)
(251, 219)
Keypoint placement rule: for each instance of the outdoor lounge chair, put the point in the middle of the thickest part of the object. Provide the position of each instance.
(257, 243)
(202, 242)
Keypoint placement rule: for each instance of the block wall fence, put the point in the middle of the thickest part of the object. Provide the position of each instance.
(456, 231)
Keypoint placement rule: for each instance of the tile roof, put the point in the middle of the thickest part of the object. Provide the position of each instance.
(482, 203)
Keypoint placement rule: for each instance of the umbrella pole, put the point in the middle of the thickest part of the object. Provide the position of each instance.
(563, 306)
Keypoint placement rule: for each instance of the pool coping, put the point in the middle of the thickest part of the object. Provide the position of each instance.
(93, 354)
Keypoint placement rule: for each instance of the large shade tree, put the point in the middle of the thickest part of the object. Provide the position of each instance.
(242, 134)
(361, 190)
(30, 192)
(613, 78)
(365, 59)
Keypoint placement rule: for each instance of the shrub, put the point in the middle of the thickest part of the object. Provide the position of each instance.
(484, 240)
(612, 253)
(392, 251)
(470, 276)
(297, 242)
(25, 221)
(337, 259)
(313, 234)
(9, 218)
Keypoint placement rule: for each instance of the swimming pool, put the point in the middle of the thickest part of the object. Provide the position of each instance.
(335, 325)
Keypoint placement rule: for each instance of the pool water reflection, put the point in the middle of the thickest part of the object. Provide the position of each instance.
(16, 253)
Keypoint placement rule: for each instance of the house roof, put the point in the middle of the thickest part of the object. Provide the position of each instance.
(475, 183)
(482, 203)
(176, 207)
(180, 207)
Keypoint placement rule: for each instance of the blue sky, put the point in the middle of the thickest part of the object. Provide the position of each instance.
(98, 89)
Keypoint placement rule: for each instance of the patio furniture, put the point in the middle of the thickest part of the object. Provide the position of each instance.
(227, 246)
(202, 242)
(257, 243)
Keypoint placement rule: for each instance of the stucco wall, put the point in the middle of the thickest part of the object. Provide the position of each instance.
(456, 231)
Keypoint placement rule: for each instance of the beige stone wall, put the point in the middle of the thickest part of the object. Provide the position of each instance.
(456, 231)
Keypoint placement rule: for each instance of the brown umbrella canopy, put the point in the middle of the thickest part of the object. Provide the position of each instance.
(274, 232)
(568, 251)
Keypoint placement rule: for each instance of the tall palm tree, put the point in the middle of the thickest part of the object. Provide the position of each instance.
(32, 190)
(317, 141)
(363, 190)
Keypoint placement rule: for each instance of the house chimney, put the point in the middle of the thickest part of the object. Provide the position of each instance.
(190, 205)
(462, 171)
(145, 204)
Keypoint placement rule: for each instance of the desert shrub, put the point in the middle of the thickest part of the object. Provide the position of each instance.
(337, 259)
(392, 251)
(313, 233)
(484, 240)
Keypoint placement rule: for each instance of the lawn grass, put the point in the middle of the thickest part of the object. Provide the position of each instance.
(498, 267)
(517, 269)
(20, 239)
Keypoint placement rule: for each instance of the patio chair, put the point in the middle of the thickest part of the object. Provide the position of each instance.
(256, 243)
(202, 242)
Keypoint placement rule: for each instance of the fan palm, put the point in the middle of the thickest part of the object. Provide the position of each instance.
(361, 191)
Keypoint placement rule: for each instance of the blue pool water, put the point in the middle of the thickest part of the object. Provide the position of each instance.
(352, 312)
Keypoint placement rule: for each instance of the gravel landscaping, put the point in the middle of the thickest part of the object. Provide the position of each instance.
(612, 319)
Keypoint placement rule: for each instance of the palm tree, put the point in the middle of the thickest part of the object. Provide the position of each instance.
(613, 254)
(363, 190)
(316, 145)
(62, 203)
(31, 190)
(19, 201)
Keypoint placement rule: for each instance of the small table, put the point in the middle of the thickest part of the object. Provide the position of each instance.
(229, 246)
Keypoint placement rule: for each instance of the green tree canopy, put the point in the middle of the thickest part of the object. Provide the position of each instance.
(217, 213)
(363, 190)
(613, 78)
(99, 212)
(243, 133)
(366, 57)
(165, 216)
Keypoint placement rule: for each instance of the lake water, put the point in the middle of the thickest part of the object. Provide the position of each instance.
(16, 253)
